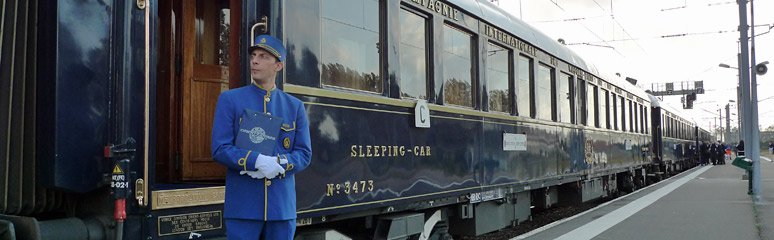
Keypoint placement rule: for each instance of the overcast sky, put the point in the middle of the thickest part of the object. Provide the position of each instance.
(628, 35)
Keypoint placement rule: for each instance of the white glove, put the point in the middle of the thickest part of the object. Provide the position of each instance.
(269, 166)
(253, 174)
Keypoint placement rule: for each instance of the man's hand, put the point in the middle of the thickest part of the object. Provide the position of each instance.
(253, 174)
(269, 166)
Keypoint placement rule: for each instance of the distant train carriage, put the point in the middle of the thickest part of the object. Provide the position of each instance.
(453, 118)
(675, 141)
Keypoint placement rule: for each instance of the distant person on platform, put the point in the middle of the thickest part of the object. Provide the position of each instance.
(740, 149)
(724, 149)
(704, 153)
(261, 186)
(713, 152)
(771, 147)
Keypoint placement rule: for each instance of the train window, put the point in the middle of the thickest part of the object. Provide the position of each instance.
(564, 98)
(591, 106)
(524, 86)
(643, 118)
(632, 116)
(457, 67)
(636, 116)
(647, 120)
(543, 96)
(413, 55)
(350, 34)
(643, 124)
(603, 115)
(622, 112)
(672, 127)
(614, 111)
(582, 102)
(498, 75)
(212, 32)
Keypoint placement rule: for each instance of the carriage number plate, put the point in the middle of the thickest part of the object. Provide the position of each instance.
(486, 196)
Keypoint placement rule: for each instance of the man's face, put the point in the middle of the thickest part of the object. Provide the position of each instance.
(263, 66)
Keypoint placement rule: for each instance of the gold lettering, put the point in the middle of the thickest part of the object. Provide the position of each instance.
(439, 7)
(353, 153)
(360, 150)
(416, 151)
(384, 148)
(329, 192)
(368, 151)
(428, 150)
(402, 151)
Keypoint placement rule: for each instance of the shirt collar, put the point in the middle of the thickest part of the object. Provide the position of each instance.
(262, 90)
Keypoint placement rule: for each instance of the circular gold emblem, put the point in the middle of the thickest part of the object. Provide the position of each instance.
(286, 143)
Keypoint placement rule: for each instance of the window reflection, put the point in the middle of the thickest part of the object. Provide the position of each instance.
(350, 38)
(457, 67)
(564, 98)
(497, 74)
(591, 101)
(543, 94)
(524, 100)
(413, 55)
(212, 31)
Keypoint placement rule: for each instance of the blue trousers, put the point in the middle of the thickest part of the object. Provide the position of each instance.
(243, 229)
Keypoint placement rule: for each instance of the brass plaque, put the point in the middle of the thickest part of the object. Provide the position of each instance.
(165, 199)
(192, 222)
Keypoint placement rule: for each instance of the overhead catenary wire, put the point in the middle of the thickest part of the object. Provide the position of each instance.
(591, 31)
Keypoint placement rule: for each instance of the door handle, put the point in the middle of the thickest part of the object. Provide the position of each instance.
(262, 25)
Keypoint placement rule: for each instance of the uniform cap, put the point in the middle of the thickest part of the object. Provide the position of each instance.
(270, 44)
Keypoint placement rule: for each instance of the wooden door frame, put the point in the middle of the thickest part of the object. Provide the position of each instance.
(177, 57)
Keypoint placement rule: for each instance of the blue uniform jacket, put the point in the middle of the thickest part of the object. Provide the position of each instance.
(260, 199)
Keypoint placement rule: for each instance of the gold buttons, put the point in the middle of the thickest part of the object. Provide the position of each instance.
(267, 182)
(266, 99)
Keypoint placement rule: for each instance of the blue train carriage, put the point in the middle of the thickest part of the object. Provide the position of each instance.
(491, 83)
(435, 113)
(676, 145)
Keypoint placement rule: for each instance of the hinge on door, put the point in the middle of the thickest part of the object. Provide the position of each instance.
(178, 64)
(177, 160)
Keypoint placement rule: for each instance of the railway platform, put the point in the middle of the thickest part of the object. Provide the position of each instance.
(708, 202)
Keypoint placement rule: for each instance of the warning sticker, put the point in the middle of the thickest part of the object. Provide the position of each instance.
(117, 170)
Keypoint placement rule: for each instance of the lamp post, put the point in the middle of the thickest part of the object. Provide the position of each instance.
(749, 94)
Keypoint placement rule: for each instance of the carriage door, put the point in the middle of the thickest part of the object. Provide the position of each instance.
(209, 62)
